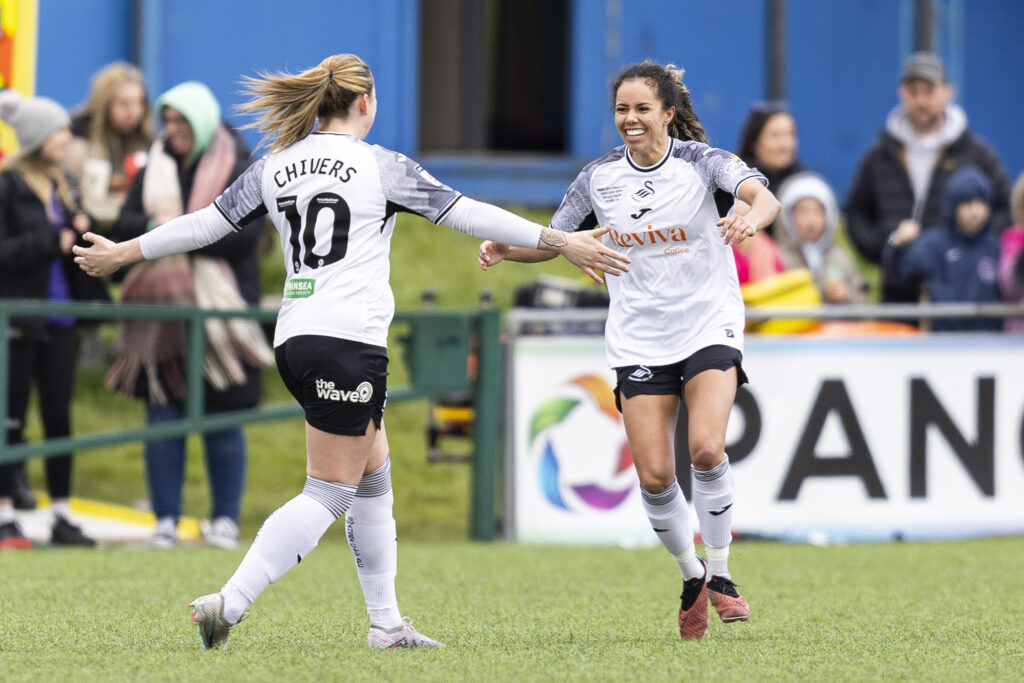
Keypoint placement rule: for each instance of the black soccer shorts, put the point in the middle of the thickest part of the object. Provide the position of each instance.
(633, 380)
(340, 384)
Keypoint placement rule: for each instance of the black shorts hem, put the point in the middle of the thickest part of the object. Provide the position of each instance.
(337, 431)
(670, 380)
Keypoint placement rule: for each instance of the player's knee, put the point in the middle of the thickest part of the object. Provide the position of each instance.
(707, 456)
(656, 481)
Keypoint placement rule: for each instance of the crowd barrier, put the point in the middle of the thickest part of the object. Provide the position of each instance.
(435, 349)
(864, 429)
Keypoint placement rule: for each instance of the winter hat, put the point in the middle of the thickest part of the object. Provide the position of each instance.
(967, 184)
(34, 119)
(196, 103)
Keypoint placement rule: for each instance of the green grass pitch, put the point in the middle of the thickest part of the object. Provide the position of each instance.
(920, 612)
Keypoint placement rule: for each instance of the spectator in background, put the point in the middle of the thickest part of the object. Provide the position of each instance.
(1011, 255)
(39, 223)
(111, 135)
(769, 143)
(957, 260)
(193, 160)
(757, 258)
(808, 223)
(897, 187)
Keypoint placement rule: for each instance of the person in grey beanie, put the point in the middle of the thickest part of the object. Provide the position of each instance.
(39, 223)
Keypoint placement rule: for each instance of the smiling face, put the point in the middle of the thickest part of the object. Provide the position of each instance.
(178, 131)
(642, 121)
(775, 147)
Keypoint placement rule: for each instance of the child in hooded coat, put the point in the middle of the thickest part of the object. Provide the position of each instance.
(957, 261)
(807, 239)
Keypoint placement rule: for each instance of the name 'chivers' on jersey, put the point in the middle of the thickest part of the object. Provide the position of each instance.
(333, 199)
(323, 166)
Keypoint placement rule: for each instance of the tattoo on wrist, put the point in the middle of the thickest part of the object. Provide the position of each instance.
(554, 239)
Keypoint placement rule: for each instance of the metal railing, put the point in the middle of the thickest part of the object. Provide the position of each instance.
(521, 317)
(436, 341)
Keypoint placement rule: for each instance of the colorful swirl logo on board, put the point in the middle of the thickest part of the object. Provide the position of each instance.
(584, 460)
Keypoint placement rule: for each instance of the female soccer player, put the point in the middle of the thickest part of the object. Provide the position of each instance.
(333, 198)
(675, 323)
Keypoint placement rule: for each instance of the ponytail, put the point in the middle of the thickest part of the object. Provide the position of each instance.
(287, 106)
(667, 83)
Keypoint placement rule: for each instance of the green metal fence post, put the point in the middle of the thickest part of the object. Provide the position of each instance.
(486, 420)
(194, 366)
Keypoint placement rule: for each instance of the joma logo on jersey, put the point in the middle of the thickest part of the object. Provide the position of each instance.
(361, 394)
(650, 236)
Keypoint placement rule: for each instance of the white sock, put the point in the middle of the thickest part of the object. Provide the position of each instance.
(370, 528)
(289, 534)
(713, 494)
(718, 561)
(61, 508)
(670, 519)
(7, 512)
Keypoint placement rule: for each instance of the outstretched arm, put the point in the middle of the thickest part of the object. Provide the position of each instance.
(492, 253)
(584, 249)
(184, 233)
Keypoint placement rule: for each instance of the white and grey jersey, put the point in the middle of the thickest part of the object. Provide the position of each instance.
(681, 293)
(333, 199)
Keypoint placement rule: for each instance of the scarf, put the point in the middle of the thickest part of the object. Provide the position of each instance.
(157, 347)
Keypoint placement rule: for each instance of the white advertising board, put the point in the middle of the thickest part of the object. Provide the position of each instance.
(833, 440)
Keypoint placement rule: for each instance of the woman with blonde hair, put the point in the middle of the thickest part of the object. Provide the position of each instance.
(333, 198)
(112, 132)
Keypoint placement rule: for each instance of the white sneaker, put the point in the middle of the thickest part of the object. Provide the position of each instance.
(221, 533)
(208, 615)
(166, 534)
(403, 636)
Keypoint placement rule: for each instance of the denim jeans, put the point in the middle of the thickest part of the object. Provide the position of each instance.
(226, 460)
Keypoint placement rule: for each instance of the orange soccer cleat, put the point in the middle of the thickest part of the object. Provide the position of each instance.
(726, 600)
(693, 608)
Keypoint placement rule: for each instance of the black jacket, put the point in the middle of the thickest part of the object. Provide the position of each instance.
(240, 250)
(881, 195)
(28, 245)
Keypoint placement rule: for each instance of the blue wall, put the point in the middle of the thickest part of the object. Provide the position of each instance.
(842, 69)
(218, 42)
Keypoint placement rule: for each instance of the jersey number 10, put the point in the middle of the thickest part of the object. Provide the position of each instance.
(325, 201)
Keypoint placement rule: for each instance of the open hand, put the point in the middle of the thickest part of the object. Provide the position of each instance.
(735, 228)
(491, 254)
(586, 250)
(99, 259)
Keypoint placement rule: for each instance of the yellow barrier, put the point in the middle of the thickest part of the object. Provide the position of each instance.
(790, 289)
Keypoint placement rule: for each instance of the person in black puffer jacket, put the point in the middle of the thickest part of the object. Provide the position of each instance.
(39, 223)
(896, 191)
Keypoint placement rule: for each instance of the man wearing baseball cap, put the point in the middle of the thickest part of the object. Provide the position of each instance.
(896, 190)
